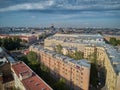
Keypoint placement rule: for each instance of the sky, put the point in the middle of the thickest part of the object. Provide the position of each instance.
(61, 13)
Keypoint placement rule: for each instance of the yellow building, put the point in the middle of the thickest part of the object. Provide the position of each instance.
(107, 56)
(78, 41)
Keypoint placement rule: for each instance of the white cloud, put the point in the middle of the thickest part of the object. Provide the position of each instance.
(88, 4)
(29, 6)
(66, 4)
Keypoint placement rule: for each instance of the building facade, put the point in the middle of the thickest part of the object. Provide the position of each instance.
(75, 73)
(25, 38)
(26, 79)
(78, 41)
(108, 57)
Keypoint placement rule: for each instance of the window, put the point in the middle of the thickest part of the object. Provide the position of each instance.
(81, 81)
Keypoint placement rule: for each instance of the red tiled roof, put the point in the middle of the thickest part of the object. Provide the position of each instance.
(34, 83)
(30, 80)
(20, 68)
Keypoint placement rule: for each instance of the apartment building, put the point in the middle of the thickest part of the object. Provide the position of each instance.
(107, 37)
(108, 57)
(89, 52)
(68, 50)
(26, 79)
(78, 41)
(75, 73)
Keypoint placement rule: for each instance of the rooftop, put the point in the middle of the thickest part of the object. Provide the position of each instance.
(78, 38)
(30, 80)
(114, 57)
(83, 62)
(66, 59)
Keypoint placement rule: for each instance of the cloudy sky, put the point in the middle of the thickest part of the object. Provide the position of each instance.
(65, 13)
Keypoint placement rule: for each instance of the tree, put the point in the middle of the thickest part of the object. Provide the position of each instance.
(60, 85)
(24, 59)
(10, 43)
(32, 57)
(59, 48)
(77, 55)
(113, 41)
(118, 42)
(17, 42)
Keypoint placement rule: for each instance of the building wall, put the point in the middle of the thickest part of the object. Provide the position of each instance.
(76, 77)
(107, 37)
(8, 85)
(103, 59)
(49, 44)
(29, 39)
(17, 81)
(111, 77)
(100, 52)
(118, 82)
(1, 86)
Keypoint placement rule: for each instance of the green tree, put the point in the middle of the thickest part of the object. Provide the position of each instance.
(24, 59)
(77, 55)
(113, 41)
(10, 43)
(17, 42)
(93, 56)
(59, 48)
(118, 42)
(60, 85)
(32, 57)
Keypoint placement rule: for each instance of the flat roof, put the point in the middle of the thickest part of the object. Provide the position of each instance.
(66, 59)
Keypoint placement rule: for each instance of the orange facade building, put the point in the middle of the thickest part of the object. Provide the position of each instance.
(75, 73)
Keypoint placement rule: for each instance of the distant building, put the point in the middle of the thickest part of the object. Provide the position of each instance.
(25, 38)
(78, 41)
(75, 73)
(107, 37)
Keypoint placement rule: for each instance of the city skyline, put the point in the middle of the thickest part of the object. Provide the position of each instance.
(62, 13)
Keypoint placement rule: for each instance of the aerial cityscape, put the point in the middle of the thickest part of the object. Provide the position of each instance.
(59, 44)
